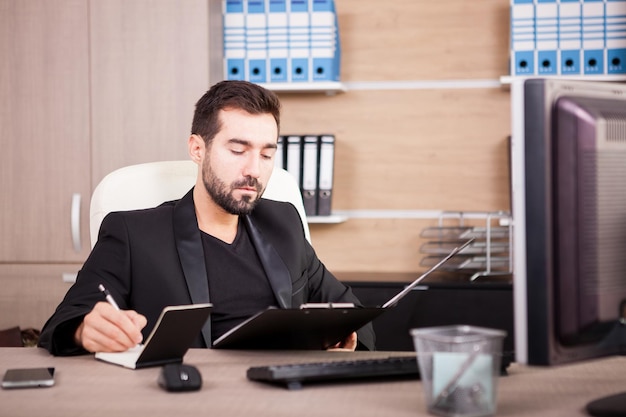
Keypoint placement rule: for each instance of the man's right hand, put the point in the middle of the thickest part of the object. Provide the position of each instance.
(106, 329)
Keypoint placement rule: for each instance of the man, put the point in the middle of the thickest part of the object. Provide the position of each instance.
(220, 243)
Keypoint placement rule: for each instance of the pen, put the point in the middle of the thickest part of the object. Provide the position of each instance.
(108, 296)
(110, 300)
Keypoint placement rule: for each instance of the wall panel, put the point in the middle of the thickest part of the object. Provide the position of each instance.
(418, 39)
(405, 139)
(412, 149)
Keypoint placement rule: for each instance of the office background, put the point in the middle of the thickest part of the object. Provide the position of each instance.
(88, 86)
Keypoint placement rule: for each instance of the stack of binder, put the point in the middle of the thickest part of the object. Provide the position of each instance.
(281, 41)
(310, 159)
(568, 37)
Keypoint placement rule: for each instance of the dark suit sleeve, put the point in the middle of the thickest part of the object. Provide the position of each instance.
(136, 259)
(108, 265)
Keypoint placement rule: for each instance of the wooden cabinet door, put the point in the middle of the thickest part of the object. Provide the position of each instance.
(31, 292)
(44, 130)
(150, 64)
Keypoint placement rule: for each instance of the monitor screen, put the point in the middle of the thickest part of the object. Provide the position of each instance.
(575, 221)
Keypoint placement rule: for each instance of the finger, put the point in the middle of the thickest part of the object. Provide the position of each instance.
(108, 329)
(126, 323)
(348, 344)
(102, 332)
(94, 341)
(138, 319)
(101, 336)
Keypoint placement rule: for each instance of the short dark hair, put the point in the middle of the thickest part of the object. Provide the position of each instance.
(231, 94)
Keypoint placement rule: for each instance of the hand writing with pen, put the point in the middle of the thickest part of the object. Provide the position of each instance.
(107, 328)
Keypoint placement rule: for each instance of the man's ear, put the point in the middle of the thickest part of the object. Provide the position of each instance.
(195, 146)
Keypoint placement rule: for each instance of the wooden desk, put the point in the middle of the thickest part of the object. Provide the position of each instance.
(86, 387)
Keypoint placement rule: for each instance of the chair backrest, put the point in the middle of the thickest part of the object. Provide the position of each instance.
(150, 184)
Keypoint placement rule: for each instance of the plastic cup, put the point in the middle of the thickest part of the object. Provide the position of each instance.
(459, 368)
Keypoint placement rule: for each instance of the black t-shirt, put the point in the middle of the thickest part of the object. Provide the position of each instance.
(238, 286)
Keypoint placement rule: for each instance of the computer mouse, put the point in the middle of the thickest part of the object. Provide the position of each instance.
(609, 406)
(177, 377)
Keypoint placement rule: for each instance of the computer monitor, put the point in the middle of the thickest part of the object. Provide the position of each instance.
(575, 222)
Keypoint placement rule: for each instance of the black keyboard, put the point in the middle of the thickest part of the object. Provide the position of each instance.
(295, 374)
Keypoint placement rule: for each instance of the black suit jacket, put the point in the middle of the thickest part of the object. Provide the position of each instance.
(149, 259)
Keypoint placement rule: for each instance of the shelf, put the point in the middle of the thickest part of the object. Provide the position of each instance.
(508, 79)
(332, 219)
(329, 87)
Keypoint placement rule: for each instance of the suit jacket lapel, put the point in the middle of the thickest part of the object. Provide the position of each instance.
(275, 269)
(191, 255)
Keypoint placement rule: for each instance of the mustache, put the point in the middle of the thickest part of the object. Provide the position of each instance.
(248, 182)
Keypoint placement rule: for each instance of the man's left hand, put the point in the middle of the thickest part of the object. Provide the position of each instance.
(348, 344)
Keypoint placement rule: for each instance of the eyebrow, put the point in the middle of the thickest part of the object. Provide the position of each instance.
(249, 144)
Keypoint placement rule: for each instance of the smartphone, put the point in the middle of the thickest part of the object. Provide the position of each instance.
(28, 378)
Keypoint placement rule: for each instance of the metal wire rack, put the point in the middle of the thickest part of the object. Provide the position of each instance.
(491, 253)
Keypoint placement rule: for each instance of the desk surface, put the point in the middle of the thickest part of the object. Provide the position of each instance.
(87, 387)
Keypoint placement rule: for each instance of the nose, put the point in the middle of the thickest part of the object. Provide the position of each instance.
(252, 167)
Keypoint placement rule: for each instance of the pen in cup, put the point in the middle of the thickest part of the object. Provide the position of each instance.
(108, 296)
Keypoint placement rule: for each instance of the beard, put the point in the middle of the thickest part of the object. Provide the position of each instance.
(222, 193)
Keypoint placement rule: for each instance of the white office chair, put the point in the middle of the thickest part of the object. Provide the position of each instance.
(150, 184)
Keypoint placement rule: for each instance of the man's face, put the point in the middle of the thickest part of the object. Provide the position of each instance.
(240, 160)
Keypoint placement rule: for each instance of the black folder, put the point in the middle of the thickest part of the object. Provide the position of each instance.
(315, 328)
(312, 326)
(310, 169)
(326, 175)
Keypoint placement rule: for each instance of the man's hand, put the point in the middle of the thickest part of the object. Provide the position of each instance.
(106, 329)
(348, 344)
